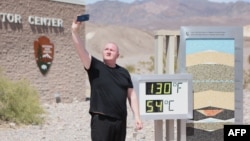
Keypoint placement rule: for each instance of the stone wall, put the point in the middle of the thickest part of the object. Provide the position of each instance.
(66, 75)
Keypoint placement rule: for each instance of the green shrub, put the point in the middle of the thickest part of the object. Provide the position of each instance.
(19, 102)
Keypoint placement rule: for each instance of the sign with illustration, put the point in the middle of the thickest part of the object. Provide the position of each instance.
(213, 55)
(44, 53)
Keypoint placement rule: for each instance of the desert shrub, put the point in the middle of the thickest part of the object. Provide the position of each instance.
(248, 59)
(246, 78)
(149, 65)
(130, 68)
(19, 102)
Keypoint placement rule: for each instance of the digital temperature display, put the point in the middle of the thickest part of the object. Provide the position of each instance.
(158, 88)
(164, 96)
(154, 106)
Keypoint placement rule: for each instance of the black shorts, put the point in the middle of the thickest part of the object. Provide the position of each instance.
(104, 128)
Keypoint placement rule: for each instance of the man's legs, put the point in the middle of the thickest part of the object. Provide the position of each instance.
(104, 128)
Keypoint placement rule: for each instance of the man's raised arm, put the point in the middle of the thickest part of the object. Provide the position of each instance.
(79, 44)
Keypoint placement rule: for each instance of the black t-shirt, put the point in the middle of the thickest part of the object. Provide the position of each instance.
(109, 87)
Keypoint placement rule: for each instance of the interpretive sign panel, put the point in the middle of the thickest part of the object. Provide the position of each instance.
(213, 55)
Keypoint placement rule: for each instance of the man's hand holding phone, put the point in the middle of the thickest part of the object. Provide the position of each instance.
(83, 18)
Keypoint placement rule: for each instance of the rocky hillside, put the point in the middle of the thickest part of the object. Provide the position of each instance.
(169, 14)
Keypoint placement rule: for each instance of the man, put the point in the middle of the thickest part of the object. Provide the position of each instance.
(111, 86)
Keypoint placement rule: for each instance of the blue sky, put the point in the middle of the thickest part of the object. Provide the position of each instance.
(225, 46)
(129, 1)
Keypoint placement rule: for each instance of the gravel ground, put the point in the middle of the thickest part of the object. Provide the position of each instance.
(71, 122)
(66, 122)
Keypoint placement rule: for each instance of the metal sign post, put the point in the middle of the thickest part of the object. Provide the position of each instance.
(166, 53)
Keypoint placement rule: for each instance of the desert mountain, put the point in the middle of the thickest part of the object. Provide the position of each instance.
(169, 14)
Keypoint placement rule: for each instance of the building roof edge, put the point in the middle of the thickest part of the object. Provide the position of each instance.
(78, 2)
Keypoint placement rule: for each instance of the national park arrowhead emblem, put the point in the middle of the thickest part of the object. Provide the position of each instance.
(44, 53)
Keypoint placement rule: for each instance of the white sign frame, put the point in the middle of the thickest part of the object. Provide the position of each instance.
(175, 106)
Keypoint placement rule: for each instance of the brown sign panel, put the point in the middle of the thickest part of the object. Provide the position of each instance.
(44, 53)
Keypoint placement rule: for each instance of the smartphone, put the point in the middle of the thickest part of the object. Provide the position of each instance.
(83, 18)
